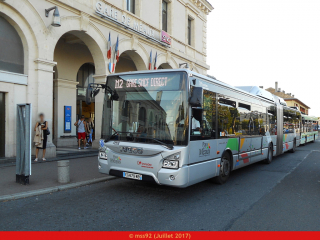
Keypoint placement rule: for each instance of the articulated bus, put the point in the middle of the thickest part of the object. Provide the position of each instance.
(309, 129)
(178, 128)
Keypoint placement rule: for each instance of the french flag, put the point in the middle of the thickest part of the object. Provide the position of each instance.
(112, 67)
(150, 62)
(155, 61)
(109, 47)
(117, 52)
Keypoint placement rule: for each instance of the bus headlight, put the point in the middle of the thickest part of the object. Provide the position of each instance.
(103, 155)
(170, 164)
(172, 161)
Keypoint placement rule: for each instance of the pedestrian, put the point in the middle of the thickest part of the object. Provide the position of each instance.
(41, 136)
(90, 129)
(82, 131)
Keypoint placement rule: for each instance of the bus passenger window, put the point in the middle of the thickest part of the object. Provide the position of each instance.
(228, 117)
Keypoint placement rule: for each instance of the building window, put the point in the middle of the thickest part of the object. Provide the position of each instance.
(190, 31)
(165, 16)
(12, 54)
(131, 6)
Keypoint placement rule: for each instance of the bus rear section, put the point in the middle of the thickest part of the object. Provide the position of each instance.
(309, 129)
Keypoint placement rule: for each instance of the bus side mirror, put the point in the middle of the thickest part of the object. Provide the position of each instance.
(91, 93)
(196, 98)
(115, 96)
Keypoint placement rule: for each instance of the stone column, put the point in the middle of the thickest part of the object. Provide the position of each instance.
(44, 72)
(65, 94)
(98, 110)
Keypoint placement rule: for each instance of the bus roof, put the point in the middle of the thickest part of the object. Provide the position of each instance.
(257, 91)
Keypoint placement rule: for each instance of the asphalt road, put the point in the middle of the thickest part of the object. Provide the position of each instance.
(281, 196)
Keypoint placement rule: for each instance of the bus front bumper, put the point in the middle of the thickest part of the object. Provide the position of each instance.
(170, 177)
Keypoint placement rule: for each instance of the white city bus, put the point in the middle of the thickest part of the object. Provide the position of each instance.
(177, 127)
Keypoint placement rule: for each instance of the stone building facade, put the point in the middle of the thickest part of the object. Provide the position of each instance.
(50, 66)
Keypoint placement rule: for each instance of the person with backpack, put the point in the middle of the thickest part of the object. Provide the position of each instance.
(42, 132)
(82, 131)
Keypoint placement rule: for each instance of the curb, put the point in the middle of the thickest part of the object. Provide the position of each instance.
(52, 189)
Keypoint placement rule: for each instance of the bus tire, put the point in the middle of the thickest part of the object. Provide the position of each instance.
(270, 155)
(293, 146)
(224, 170)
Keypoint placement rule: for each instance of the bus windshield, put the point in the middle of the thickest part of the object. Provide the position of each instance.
(149, 108)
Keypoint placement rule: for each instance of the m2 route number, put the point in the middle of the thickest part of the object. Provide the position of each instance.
(119, 83)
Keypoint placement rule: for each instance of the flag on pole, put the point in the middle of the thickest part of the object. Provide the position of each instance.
(109, 47)
(155, 61)
(117, 52)
(113, 62)
(150, 62)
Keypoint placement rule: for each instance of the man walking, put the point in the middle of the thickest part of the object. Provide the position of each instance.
(82, 131)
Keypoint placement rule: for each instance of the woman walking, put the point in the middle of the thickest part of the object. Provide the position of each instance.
(90, 128)
(41, 136)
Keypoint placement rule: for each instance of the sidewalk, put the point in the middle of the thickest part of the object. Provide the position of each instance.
(63, 153)
(44, 178)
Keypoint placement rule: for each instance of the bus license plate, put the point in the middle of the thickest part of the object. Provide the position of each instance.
(132, 175)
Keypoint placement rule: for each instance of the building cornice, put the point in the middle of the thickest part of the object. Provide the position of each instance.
(45, 62)
(65, 83)
(45, 65)
(100, 79)
(203, 5)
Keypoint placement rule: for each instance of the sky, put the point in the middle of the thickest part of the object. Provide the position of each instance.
(259, 42)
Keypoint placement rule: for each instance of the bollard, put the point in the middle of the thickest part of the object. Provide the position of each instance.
(63, 171)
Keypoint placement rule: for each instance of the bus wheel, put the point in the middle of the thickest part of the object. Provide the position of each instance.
(225, 169)
(293, 147)
(270, 155)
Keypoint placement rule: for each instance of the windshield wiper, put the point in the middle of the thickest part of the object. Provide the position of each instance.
(166, 145)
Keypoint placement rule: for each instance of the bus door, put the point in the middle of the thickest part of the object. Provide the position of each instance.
(245, 144)
(279, 129)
